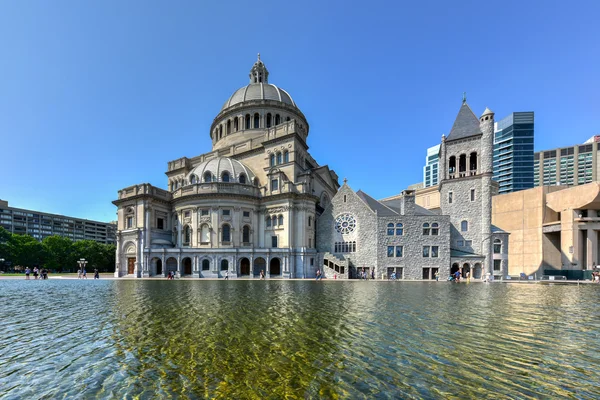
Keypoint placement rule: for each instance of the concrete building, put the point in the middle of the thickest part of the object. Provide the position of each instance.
(552, 228)
(357, 232)
(430, 170)
(569, 166)
(40, 225)
(513, 152)
(248, 206)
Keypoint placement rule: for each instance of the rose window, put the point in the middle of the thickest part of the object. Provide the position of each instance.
(345, 223)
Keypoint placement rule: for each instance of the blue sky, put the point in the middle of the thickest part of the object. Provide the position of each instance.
(97, 96)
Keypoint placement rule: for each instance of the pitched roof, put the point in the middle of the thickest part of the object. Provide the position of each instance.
(465, 125)
(380, 209)
(394, 204)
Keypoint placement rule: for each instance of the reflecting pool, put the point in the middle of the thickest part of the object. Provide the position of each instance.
(297, 339)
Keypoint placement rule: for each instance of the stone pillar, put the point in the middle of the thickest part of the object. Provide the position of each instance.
(178, 273)
(262, 226)
(148, 227)
(164, 266)
(179, 226)
(118, 255)
(592, 248)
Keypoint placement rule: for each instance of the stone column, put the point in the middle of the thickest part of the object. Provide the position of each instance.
(179, 226)
(118, 256)
(164, 266)
(178, 273)
(261, 230)
(148, 227)
(592, 243)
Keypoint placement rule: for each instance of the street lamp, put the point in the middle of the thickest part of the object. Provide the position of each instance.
(82, 263)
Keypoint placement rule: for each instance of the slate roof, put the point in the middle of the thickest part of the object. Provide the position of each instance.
(495, 229)
(465, 125)
(379, 208)
(394, 204)
(462, 254)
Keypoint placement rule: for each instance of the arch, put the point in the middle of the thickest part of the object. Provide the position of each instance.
(277, 119)
(272, 160)
(279, 158)
(187, 266)
(274, 220)
(477, 271)
(171, 265)
(497, 246)
(280, 220)
(390, 229)
(226, 233)
(435, 229)
(206, 264)
(256, 120)
(244, 266)
(399, 229)
(286, 156)
(462, 163)
(246, 234)
(269, 118)
(247, 121)
(220, 131)
(207, 177)
(259, 265)
(268, 221)
(426, 229)
(242, 178)
(325, 200)
(224, 264)
(187, 235)
(193, 179)
(159, 267)
(228, 129)
(287, 119)
(275, 266)
(225, 176)
(452, 165)
(465, 268)
(464, 226)
(473, 163)
(236, 124)
(455, 267)
(204, 234)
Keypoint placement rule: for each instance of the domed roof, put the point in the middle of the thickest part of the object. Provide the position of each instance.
(217, 166)
(259, 91)
(259, 88)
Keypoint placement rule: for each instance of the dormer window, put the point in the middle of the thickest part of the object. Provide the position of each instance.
(242, 179)
(225, 177)
(207, 177)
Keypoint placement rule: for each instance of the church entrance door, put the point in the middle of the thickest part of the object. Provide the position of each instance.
(130, 265)
(187, 266)
(275, 267)
(245, 266)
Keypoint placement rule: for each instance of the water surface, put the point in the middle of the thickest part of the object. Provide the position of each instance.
(297, 339)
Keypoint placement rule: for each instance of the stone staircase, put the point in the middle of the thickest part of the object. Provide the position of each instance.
(333, 266)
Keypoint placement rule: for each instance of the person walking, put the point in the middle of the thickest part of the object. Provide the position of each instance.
(226, 275)
(27, 272)
(96, 274)
(79, 273)
(373, 273)
(83, 274)
(437, 276)
(36, 272)
(262, 274)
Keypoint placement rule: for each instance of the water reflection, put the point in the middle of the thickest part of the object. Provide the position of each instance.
(290, 339)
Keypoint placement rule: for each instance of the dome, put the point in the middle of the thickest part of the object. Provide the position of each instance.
(259, 91)
(221, 169)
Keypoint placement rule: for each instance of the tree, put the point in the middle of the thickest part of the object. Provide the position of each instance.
(26, 251)
(59, 250)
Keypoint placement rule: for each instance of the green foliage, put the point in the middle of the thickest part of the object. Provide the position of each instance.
(55, 252)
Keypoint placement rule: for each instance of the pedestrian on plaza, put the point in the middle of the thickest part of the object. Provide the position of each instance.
(468, 276)
(373, 274)
(96, 274)
(334, 276)
(35, 272)
(44, 273)
(27, 272)
(226, 275)
(262, 274)
(79, 273)
(83, 273)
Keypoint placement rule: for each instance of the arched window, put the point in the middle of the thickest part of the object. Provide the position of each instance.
(274, 220)
(462, 163)
(204, 234)
(426, 229)
(399, 229)
(287, 119)
(390, 229)
(193, 179)
(205, 265)
(242, 179)
(272, 160)
(246, 234)
(277, 119)
(187, 235)
(228, 126)
(280, 220)
(435, 229)
(220, 131)
(225, 177)
(286, 156)
(473, 163)
(268, 120)
(256, 183)
(256, 121)
(452, 165)
(268, 222)
(497, 246)
(464, 226)
(226, 233)
(224, 265)
(235, 124)
(207, 177)
(247, 121)
(279, 158)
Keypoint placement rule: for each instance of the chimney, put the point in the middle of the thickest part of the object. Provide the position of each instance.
(407, 202)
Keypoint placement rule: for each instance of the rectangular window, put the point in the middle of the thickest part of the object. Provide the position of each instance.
(186, 214)
(426, 251)
(449, 197)
(246, 214)
(390, 251)
(434, 251)
(160, 223)
(310, 243)
(129, 222)
(312, 262)
(274, 241)
(274, 184)
(497, 265)
(472, 194)
(226, 213)
(204, 212)
(468, 243)
(399, 251)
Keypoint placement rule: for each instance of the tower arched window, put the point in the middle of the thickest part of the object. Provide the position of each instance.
(435, 229)
(272, 160)
(390, 229)
(228, 131)
(399, 229)
(277, 119)
(274, 220)
(280, 221)
(497, 246)
(226, 233)
(236, 124)
(193, 179)
(452, 165)
(268, 220)
(207, 177)
(242, 178)
(464, 226)
(462, 163)
(473, 163)
(268, 120)
(246, 234)
(187, 234)
(287, 119)
(220, 131)
(286, 156)
(256, 121)
(279, 158)
(247, 121)
(426, 229)
(225, 177)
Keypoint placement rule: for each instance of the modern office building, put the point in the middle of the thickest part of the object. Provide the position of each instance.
(570, 166)
(430, 170)
(513, 152)
(40, 225)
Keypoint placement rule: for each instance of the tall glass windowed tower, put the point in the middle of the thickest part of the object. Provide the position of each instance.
(513, 152)
(430, 170)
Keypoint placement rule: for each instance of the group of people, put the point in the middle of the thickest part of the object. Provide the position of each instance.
(364, 274)
(596, 276)
(456, 276)
(82, 273)
(37, 273)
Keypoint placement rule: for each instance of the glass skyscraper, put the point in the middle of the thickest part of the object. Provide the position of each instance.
(513, 152)
(430, 170)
